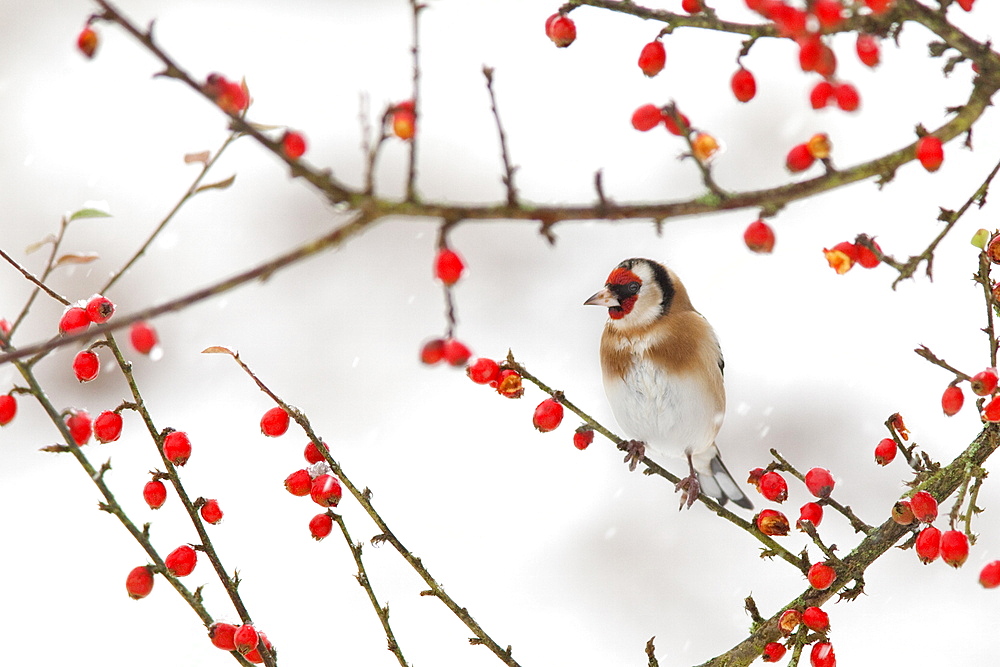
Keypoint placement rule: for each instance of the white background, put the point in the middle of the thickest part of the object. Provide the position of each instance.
(562, 554)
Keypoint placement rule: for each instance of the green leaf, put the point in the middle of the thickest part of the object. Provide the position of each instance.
(221, 185)
(89, 213)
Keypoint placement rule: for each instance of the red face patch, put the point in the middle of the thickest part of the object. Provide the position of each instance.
(619, 279)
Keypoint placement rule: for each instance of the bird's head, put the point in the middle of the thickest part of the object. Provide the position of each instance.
(637, 293)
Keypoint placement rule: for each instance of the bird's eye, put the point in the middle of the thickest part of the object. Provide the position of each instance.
(632, 288)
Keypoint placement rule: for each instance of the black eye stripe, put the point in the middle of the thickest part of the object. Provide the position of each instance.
(625, 291)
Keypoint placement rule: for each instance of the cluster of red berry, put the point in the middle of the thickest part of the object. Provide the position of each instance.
(772, 485)
(316, 482)
(448, 268)
(983, 383)
(245, 639)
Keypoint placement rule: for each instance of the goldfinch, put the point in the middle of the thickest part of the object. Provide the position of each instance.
(662, 368)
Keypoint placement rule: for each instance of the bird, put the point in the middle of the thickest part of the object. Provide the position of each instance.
(663, 375)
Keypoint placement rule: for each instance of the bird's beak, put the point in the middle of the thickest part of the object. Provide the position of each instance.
(603, 298)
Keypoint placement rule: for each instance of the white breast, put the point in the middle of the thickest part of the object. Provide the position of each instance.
(673, 415)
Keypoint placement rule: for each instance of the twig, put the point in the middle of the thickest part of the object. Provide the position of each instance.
(508, 179)
(192, 190)
(411, 169)
(382, 612)
(857, 524)
(355, 226)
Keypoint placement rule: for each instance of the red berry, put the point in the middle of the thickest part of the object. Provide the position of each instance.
(548, 415)
(821, 576)
(759, 237)
(811, 512)
(799, 158)
(583, 437)
(108, 426)
(211, 512)
(483, 371)
(991, 411)
(773, 652)
(143, 337)
(155, 494)
(744, 85)
(139, 582)
(885, 451)
(868, 50)
(952, 400)
(772, 522)
(652, 58)
(902, 513)
(847, 97)
(74, 320)
(404, 120)
(790, 21)
(788, 621)
(822, 655)
(773, 486)
(879, 6)
(177, 447)
(671, 124)
(821, 94)
(87, 41)
(299, 483)
(930, 152)
(432, 352)
(274, 422)
(509, 384)
(928, 544)
(181, 561)
(293, 144)
(966, 4)
(646, 117)
(230, 96)
(253, 655)
(866, 257)
(990, 576)
(100, 309)
(561, 30)
(8, 409)
(816, 619)
(245, 638)
(320, 526)
(448, 266)
(86, 365)
(954, 547)
(79, 425)
(829, 13)
(325, 491)
(691, 6)
(820, 483)
(984, 382)
(455, 352)
(924, 506)
(313, 453)
(810, 52)
(221, 635)
(842, 256)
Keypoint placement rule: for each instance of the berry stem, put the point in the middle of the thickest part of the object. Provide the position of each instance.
(362, 577)
(411, 169)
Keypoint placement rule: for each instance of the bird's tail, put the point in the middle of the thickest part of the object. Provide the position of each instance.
(718, 483)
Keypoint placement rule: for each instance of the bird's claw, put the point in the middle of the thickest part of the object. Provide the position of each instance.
(690, 489)
(634, 451)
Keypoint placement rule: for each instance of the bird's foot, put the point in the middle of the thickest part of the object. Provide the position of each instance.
(634, 451)
(690, 489)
